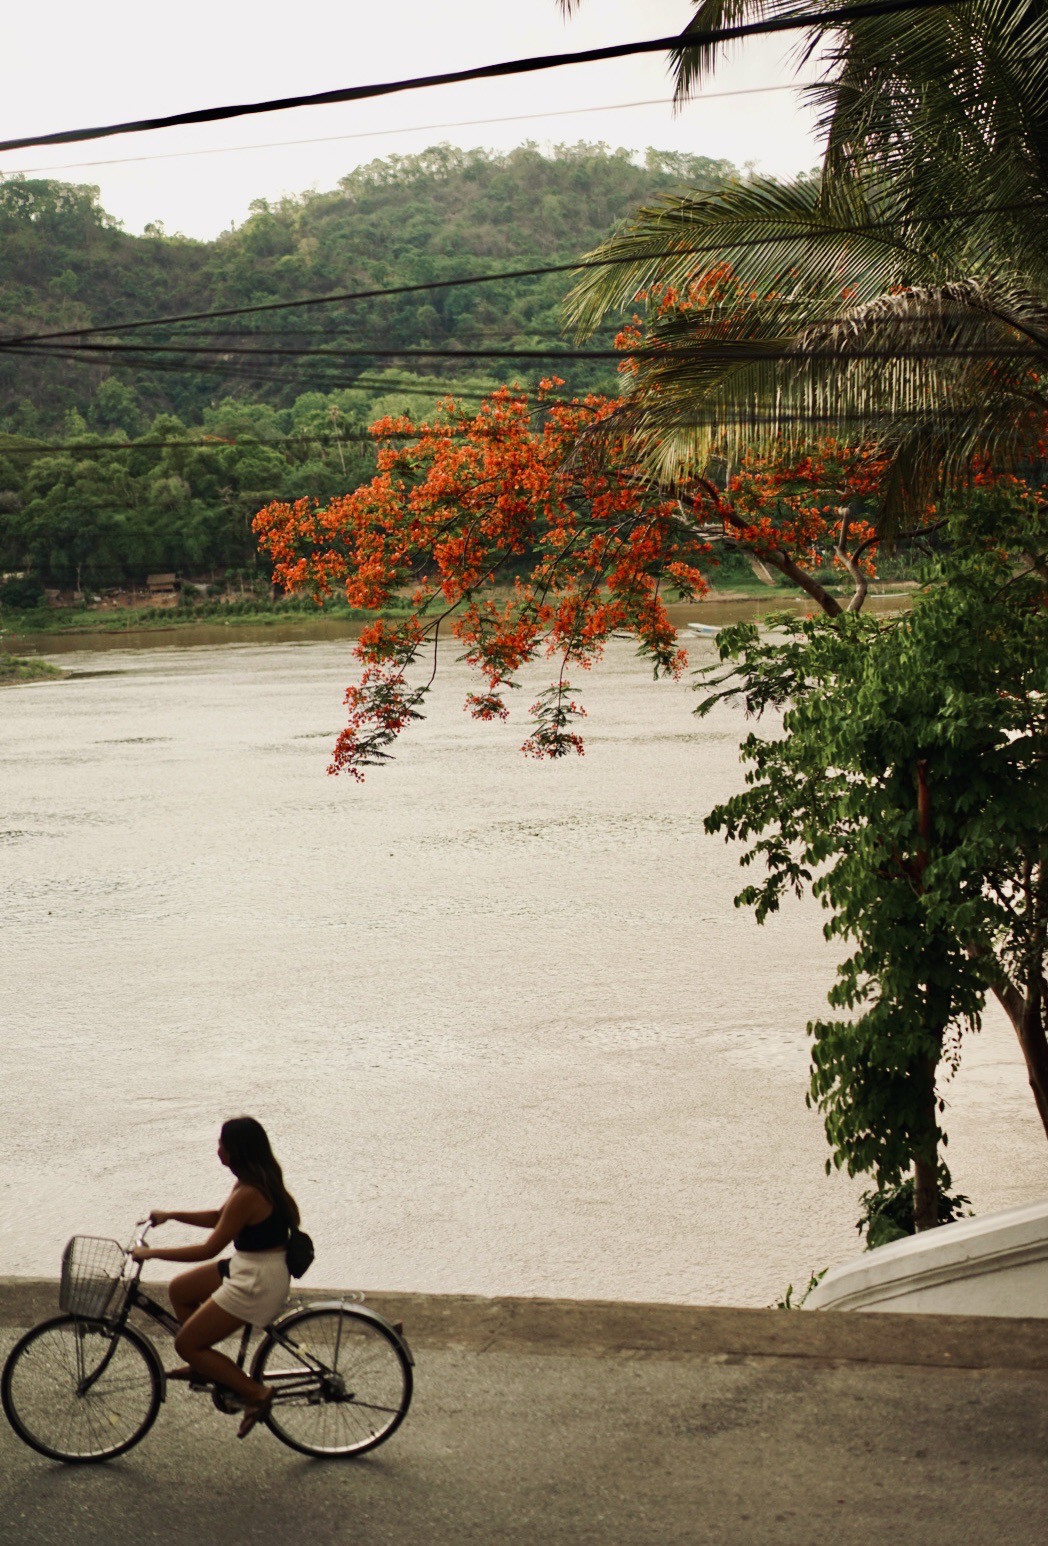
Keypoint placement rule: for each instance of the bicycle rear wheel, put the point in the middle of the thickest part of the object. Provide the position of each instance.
(81, 1391)
(343, 1382)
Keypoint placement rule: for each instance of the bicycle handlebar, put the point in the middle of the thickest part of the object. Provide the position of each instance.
(142, 1228)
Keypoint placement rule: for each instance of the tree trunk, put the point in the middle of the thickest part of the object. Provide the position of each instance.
(805, 582)
(779, 560)
(925, 1194)
(1024, 1011)
(926, 1163)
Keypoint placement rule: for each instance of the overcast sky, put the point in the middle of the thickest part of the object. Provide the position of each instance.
(69, 65)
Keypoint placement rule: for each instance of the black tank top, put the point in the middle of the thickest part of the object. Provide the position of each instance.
(267, 1236)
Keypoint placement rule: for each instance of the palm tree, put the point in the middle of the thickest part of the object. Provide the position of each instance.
(902, 294)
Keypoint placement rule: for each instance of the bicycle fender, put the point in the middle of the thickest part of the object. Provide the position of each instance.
(363, 1310)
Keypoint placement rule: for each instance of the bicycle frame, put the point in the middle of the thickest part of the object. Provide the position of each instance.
(135, 1299)
(287, 1384)
(290, 1383)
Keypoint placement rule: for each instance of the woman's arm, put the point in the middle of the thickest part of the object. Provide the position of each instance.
(234, 1215)
(203, 1220)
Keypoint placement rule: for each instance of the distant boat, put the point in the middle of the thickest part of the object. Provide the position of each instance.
(704, 630)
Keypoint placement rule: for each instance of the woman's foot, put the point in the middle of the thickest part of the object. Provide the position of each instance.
(183, 1373)
(255, 1413)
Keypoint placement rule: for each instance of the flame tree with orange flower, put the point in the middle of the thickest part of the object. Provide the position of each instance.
(467, 501)
(525, 529)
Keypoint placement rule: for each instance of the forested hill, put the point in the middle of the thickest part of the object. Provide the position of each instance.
(104, 475)
(64, 263)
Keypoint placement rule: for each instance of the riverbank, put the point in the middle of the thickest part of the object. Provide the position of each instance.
(61, 630)
(250, 610)
(16, 668)
(117, 615)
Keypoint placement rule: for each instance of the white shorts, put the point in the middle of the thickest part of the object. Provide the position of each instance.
(256, 1287)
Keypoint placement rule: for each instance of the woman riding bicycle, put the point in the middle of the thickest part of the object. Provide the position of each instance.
(250, 1288)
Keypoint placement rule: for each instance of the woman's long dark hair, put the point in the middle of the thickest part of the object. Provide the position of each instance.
(252, 1160)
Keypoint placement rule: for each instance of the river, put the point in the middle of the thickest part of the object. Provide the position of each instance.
(502, 1019)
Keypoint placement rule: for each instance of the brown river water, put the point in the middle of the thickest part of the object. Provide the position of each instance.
(507, 1029)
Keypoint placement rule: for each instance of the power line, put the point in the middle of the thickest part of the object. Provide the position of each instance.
(319, 351)
(446, 431)
(574, 265)
(219, 443)
(745, 352)
(823, 20)
(443, 386)
(377, 386)
(231, 337)
(522, 330)
(406, 351)
(339, 297)
(418, 128)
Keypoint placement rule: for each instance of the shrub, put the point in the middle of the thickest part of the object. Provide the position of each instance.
(887, 1214)
(22, 594)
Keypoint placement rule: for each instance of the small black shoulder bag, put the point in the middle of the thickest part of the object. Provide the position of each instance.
(300, 1253)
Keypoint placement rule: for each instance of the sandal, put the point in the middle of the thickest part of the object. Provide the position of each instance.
(253, 1415)
(183, 1373)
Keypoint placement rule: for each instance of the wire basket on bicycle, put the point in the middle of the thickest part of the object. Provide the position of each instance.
(93, 1285)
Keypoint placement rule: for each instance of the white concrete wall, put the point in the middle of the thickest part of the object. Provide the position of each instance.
(993, 1265)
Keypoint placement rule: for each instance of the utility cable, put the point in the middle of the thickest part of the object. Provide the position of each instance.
(312, 382)
(213, 443)
(229, 338)
(418, 128)
(575, 265)
(443, 386)
(467, 432)
(823, 20)
(745, 353)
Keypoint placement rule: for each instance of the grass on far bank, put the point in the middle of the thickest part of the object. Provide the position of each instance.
(729, 582)
(16, 668)
(257, 610)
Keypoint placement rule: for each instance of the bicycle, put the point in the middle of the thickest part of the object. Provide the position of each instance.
(86, 1386)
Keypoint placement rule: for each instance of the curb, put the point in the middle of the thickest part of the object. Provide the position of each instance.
(604, 1328)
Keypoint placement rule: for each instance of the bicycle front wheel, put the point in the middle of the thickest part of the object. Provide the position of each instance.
(80, 1391)
(343, 1382)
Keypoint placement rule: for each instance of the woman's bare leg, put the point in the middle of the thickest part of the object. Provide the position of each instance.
(196, 1344)
(187, 1292)
(192, 1289)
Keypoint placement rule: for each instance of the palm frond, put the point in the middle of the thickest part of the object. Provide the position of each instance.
(807, 240)
(693, 63)
(937, 376)
(951, 107)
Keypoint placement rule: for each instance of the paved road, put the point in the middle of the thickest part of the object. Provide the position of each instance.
(510, 1443)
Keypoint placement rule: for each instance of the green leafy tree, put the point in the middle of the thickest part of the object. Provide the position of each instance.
(115, 410)
(73, 524)
(909, 788)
